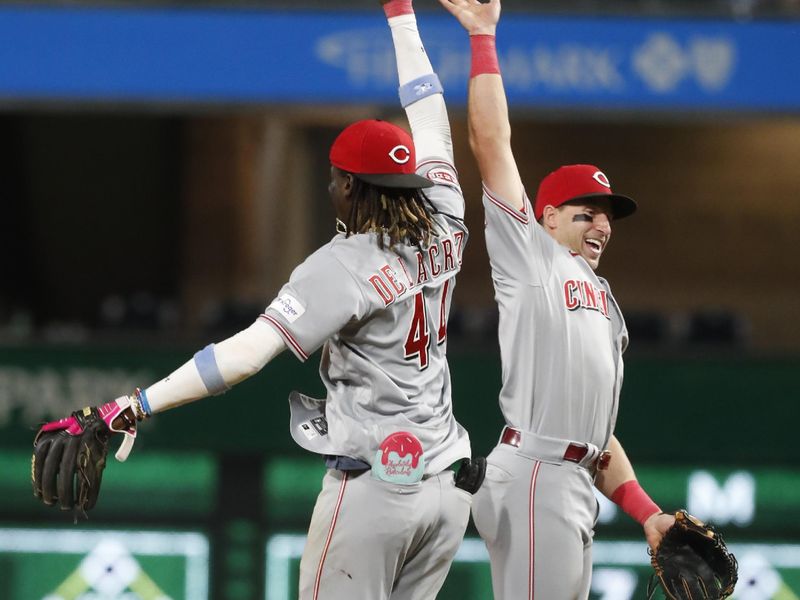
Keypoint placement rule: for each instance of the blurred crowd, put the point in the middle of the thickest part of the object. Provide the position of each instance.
(147, 317)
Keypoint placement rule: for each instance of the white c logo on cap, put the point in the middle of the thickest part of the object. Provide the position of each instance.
(601, 178)
(400, 154)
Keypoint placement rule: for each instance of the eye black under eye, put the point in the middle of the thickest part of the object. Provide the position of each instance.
(583, 217)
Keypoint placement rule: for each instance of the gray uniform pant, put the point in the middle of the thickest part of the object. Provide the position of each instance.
(372, 540)
(537, 520)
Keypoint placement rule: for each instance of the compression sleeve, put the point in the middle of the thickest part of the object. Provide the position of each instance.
(237, 358)
(427, 117)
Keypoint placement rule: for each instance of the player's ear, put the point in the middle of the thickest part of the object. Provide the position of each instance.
(347, 188)
(549, 216)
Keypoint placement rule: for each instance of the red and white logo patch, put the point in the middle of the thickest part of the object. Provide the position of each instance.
(400, 154)
(443, 176)
(601, 178)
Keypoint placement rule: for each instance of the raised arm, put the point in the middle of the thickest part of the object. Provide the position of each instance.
(489, 127)
(420, 88)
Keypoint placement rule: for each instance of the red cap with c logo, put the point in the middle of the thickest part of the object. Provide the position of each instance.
(379, 153)
(579, 182)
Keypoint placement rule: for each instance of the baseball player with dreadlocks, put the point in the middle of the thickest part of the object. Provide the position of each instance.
(561, 337)
(391, 513)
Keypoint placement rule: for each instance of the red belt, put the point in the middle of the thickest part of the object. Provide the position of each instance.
(574, 452)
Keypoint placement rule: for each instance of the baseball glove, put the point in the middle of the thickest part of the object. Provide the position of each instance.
(69, 455)
(692, 562)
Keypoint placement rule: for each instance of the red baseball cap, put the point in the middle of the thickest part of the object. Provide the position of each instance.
(379, 153)
(579, 182)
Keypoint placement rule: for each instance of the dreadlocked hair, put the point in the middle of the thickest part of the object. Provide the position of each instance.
(396, 215)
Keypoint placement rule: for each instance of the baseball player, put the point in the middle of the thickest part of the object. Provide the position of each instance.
(561, 337)
(390, 515)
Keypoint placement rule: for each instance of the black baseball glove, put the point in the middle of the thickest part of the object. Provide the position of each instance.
(692, 562)
(69, 455)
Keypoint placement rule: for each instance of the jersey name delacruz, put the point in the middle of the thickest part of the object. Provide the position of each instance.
(441, 257)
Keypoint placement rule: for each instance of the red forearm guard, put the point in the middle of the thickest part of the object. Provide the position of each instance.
(484, 55)
(631, 498)
(395, 8)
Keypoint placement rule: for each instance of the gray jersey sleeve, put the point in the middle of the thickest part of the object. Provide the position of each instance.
(446, 195)
(519, 249)
(320, 298)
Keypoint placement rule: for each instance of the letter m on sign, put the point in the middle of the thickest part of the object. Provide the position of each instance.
(732, 502)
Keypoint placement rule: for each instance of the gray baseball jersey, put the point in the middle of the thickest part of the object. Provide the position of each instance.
(381, 316)
(561, 338)
(561, 332)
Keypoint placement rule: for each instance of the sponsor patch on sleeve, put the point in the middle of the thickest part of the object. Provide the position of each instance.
(288, 306)
(442, 175)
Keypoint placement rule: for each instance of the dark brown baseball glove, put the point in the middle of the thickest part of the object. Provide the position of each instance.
(692, 562)
(69, 455)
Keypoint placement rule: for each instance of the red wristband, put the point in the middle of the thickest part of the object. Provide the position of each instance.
(395, 8)
(631, 498)
(484, 55)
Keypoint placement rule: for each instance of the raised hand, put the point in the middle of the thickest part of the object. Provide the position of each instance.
(478, 18)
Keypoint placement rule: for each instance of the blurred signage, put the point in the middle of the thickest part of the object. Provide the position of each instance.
(74, 564)
(252, 56)
(621, 570)
(730, 501)
(42, 393)
(40, 383)
(762, 500)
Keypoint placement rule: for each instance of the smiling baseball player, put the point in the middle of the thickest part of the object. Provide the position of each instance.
(561, 337)
(391, 513)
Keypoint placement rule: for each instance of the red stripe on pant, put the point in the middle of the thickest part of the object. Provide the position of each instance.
(531, 544)
(330, 535)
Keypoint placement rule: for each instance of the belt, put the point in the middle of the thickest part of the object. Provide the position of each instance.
(513, 437)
